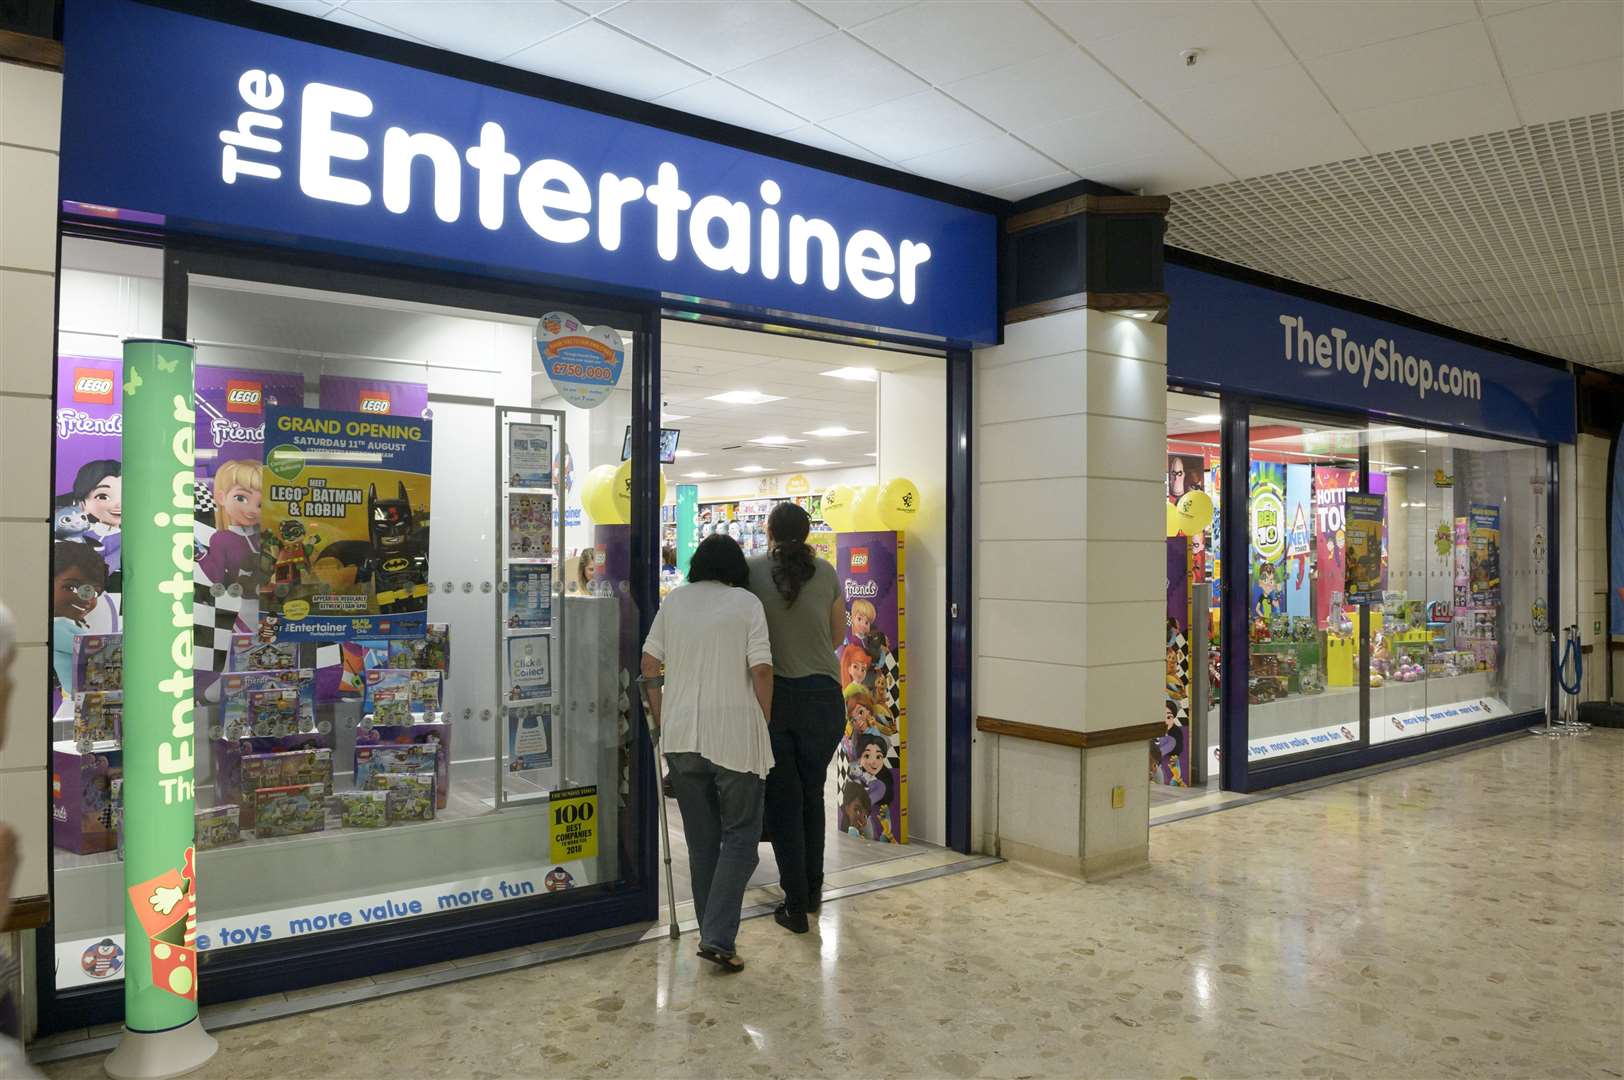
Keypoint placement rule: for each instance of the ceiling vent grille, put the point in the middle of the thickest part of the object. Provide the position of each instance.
(1515, 235)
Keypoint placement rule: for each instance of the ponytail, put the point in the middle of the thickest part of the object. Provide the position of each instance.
(792, 558)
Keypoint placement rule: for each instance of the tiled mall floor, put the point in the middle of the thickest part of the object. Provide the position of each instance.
(1461, 917)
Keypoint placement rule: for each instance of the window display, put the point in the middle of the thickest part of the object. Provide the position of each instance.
(332, 792)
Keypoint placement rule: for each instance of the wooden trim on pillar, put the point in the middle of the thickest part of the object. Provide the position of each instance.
(1153, 301)
(1087, 204)
(28, 49)
(28, 913)
(1080, 740)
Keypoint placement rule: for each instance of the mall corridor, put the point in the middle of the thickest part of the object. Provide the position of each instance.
(1458, 917)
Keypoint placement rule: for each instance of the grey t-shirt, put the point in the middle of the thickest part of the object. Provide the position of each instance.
(800, 634)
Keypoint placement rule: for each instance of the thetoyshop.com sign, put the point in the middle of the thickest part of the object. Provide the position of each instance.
(85, 962)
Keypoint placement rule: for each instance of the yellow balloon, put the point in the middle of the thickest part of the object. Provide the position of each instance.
(865, 509)
(621, 491)
(662, 487)
(596, 495)
(899, 504)
(1195, 508)
(837, 508)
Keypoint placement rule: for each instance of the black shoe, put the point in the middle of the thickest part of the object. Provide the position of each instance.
(793, 921)
(815, 902)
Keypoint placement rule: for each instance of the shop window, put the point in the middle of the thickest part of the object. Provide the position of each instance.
(467, 739)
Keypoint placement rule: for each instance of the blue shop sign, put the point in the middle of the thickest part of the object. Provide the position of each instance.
(1231, 335)
(231, 131)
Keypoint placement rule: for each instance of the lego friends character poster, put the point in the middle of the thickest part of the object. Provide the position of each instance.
(1170, 752)
(873, 755)
(344, 539)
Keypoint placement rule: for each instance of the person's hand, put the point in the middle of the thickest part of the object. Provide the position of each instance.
(8, 869)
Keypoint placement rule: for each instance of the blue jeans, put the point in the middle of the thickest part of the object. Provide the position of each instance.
(721, 819)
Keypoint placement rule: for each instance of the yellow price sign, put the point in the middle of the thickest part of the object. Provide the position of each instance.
(574, 823)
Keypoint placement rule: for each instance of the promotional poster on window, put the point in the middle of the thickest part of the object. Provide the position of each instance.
(530, 672)
(344, 539)
(1331, 487)
(1484, 520)
(1170, 752)
(87, 505)
(1366, 572)
(530, 736)
(376, 397)
(530, 456)
(229, 438)
(530, 526)
(873, 756)
(529, 597)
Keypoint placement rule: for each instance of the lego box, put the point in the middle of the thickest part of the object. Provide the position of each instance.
(289, 811)
(98, 662)
(411, 795)
(228, 755)
(98, 717)
(217, 826)
(82, 805)
(279, 770)
(435, 733)
(363, 809)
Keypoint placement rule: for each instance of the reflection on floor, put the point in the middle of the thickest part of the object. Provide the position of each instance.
(1458, 917)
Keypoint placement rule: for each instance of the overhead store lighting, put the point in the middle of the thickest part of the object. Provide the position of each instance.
(751, 468)
(816, 462)
(744, 397)
(690, 453)
(854, 374)
(836, 432)
(776, 440)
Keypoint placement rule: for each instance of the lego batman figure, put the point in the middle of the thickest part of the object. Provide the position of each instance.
(398, 566)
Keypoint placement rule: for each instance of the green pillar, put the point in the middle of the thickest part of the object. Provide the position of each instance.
(687, 525)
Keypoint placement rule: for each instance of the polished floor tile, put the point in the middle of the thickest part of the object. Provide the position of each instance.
(1461, 917)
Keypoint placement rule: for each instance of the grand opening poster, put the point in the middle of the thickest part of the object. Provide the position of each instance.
(1331, 487)
(345, 534)
(873, 799)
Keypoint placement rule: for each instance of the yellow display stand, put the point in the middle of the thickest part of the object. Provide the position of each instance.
(1342, 653)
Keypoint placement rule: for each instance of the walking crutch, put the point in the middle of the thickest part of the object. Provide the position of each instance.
(665, 824)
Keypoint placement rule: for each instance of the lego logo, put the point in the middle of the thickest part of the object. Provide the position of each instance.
(374, 403)
(859, 559)
(242, 396)
(92, 386)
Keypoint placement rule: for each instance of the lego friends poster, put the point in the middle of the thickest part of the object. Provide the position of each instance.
(375, 397)
(344, 541)
(1170, 752)
(873, 755)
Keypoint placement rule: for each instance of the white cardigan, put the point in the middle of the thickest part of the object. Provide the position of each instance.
(709, 636)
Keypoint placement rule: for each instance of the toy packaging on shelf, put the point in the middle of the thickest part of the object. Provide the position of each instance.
(363, 809)
(82, 798)
(411, 795)
(274, 712)
(248, 653)
(217, 826)
(395, 694)
(430, 733)
(431, 652)
(98, 662)
(235, 687)
(278, 770)
(288, 811)
(374, 762)
(228, 755)
(98, 717)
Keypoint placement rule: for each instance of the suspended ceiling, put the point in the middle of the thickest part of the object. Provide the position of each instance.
(1454, 158)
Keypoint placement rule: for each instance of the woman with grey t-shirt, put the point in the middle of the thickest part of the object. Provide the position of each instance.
(806, 621)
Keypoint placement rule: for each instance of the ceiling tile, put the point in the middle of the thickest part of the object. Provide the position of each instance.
(1500, 7)
(1089, 21)
(717, 35)
(799, 79)
(812, 135)
(1275, 99)
(1233, 39)
(596, 55)
(360, 22)
(723, 101)
(487, 29)
(1455, 115)
(844, 13)
(1576, 91)
(1041, 90)
(1422, 65)
(911, 126)
(983, 165)
(943, 41)
(1560, 35)
(1106, 136)
(1178, 169)
(1270, 149)
(1028, 188)
(594, 7)
(1333, 26)
(317, 8)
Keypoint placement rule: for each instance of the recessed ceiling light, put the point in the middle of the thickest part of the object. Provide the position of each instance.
(776, 440)
(697, 476)
(690, 453)
(1140, 314)
(871, 454)
(816, 462)
(671, 418)
(751, 468)
(854, 374)
(744, 397)
(835, 432)
(1206, 418)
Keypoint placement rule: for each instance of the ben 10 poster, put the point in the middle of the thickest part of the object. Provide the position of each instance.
(873, 757)
(345, 539)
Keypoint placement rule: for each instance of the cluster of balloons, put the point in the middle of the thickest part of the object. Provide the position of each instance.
(606, 494)
(893, 505)
(1190, 515)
